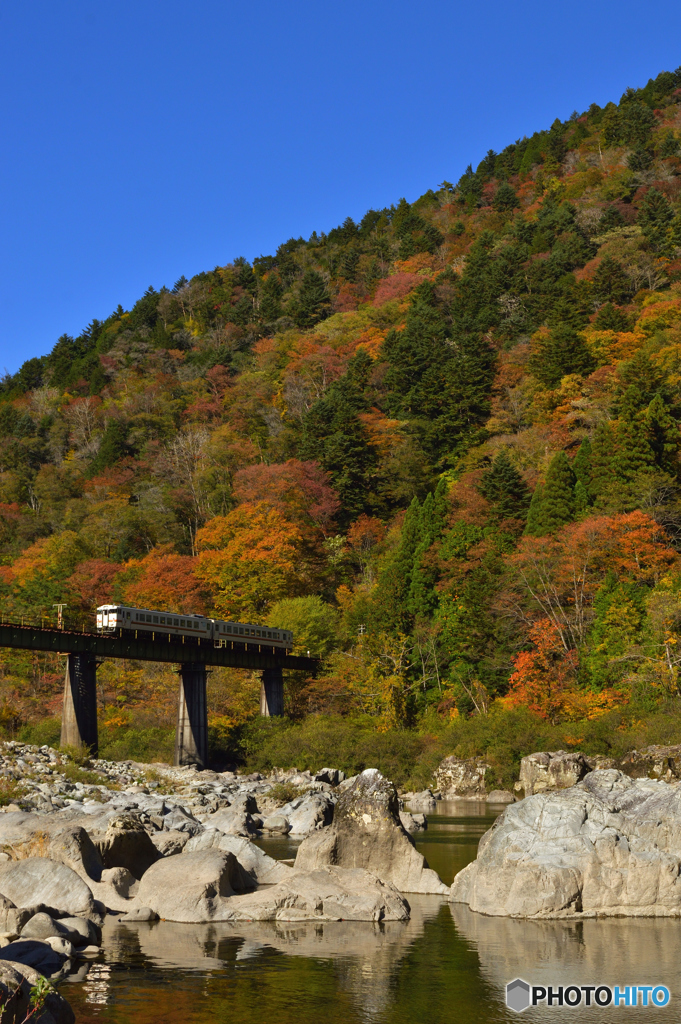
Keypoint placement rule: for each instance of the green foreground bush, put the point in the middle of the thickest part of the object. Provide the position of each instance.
(407, 756)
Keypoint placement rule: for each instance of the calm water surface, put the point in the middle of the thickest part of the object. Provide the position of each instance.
(445, 964)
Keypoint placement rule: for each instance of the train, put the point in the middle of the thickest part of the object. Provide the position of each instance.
(126, 620)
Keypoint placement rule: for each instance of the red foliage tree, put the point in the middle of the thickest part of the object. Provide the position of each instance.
(301, 491)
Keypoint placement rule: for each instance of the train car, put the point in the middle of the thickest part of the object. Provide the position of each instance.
(246, 633)
(126, 620)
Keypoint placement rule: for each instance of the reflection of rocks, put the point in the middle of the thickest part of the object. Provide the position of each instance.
(615, 951)
(609, 845)
(367, 956)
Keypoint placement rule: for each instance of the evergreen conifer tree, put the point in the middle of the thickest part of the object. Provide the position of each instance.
(558, 501)
(610, 318)
(655, 216)
(663, 435)
(560, 353)
(534, 527)
(505, 489)
(632, 448)
(610, 283)
(602, 455)
(335, 437)
(313, 303)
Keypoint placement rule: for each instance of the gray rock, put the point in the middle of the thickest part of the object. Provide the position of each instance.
(126, 844)
(121, 880)
(331, 775)
(422, 802)
(308, 812)
(34, 953)
(500, 796)
(80, 930)
(179, 820)
(192, 887)
(413, 822)
(42, 926)
(608, 846)
(276, 823)
(139, 914)
(41, 880)
(235, 820)
(60, 946)
(16, 981)
(170, 842)
(550, 770)
(12, 919)
(333, 894)
(367, 833)
(458, 778)
(263, 869)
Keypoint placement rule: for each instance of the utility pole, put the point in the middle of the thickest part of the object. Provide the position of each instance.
(60, 614)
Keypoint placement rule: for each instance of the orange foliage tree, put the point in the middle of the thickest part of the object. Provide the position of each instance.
(248, 559)
(163, 580)
(561, 573)
(301, 491)
(544, 677)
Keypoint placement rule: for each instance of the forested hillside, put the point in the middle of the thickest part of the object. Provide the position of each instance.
(441, 445)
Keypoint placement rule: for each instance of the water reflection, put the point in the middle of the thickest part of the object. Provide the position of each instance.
(445, 964)
(615, 951)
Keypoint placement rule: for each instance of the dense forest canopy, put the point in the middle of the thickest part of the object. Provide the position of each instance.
(440, 444)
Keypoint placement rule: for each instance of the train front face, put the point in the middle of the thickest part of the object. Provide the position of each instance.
(109, 618)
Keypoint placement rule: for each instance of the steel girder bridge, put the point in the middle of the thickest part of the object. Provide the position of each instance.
(84, 650)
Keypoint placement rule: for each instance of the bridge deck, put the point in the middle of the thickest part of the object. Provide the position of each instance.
(64, 641)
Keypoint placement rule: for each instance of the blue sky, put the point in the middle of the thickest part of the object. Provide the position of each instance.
(145, 140)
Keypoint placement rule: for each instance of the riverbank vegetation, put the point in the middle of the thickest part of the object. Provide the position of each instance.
(441, 445)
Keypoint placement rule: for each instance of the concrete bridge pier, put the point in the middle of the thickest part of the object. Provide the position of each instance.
(272, 693)
(191, 738)
(79, 714)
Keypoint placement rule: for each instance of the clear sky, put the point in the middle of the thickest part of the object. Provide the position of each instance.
(142, 141)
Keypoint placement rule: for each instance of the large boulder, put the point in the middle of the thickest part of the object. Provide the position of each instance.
(461, 779)
(656, 762)
(31, 835)
(16, 982)
(35, 953)
(367, 833)
(609, 845)
(262, 869)
(237, 819)
(549, 770)
(39, 880)
(422, 803)
(307, 812)
(126, 844)
(192, 887)
(335, 894)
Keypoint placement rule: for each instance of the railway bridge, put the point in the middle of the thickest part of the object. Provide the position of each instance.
(83, 651)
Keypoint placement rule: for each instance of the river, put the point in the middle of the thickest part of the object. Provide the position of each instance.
(445, 965)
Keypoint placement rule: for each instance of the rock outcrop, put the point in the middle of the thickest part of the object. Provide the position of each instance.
(609, 845)
(459, 779)
(367, 833)
(193, 887)
(550, 770)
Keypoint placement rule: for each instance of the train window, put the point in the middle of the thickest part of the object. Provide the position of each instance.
(148, 618)
(176, 622)
(155, 618)
(182, 623)
(163, 620)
